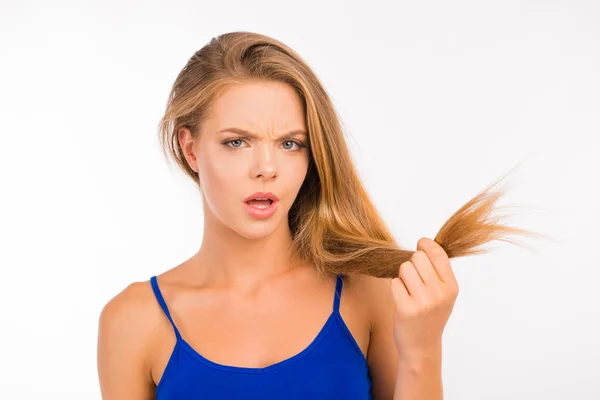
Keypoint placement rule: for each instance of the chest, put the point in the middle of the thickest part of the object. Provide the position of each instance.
(310, 377)
(262, 332)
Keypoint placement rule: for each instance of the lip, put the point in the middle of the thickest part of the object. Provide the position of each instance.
(268, 195)
(261, 213)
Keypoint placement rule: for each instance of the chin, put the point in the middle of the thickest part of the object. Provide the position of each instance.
(257, 230)
(254, 229)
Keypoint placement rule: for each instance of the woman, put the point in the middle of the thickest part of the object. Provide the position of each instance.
(289, 295)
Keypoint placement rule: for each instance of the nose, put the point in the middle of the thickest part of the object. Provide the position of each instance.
(264, 163)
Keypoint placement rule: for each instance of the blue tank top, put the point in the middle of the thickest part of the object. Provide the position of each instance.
(331, 367)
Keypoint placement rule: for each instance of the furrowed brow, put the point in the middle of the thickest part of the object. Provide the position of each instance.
(245, 133)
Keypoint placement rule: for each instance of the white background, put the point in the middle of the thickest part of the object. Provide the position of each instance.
(438, 98)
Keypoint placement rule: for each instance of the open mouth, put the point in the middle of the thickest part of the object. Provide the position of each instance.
(260, 203)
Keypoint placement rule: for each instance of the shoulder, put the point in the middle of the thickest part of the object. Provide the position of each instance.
(375, 295)
(126, 319)
(126, 333)
(130, 306)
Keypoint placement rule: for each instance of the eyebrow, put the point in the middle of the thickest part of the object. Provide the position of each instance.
(252, 135)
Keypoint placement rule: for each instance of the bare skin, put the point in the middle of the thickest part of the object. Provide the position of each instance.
(242, 299)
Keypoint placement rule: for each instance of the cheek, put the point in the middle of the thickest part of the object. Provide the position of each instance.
(300, 172)
(295, 174)
(220, 180)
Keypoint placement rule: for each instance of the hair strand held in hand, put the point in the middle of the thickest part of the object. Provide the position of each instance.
(334, 224)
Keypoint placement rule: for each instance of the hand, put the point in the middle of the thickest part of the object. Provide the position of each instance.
(424, 294)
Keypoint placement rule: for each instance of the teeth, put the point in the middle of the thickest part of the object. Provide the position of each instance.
(261, 198)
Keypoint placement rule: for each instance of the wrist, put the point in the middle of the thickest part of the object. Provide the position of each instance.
(421, 356)
(420, 375)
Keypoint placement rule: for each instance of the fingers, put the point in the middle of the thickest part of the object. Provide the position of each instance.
(426, 275)
(438, 259)
(424, 267)
(411, 279)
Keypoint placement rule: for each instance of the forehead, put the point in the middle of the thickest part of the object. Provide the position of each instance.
(258, 106)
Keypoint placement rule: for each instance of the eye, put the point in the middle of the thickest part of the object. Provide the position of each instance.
(233, 144)
(290, 145)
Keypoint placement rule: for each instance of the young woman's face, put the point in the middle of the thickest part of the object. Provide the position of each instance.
(271, 157)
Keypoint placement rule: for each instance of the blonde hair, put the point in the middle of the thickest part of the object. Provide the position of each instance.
(334, 224)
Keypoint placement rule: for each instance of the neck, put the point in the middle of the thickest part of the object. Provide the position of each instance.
(228, 259)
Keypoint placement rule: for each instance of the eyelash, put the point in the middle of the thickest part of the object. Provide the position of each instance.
(228, 142)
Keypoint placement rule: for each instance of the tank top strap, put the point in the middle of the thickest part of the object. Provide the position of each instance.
(338, 293)
(163, 304)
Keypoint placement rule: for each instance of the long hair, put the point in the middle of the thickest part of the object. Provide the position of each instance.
(334, 224)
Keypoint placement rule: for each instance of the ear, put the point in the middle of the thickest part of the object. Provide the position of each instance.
(186, 142)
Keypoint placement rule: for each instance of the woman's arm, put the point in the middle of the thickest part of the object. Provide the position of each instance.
(123, 371)
(420, 376)
(397, 377)
(405, 349)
